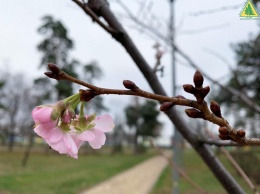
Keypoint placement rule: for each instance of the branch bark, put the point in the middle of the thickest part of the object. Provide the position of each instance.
(225, 178)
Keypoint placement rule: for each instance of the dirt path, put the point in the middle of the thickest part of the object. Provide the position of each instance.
(139, 179)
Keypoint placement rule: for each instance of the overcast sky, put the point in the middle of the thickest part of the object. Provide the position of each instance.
(19, 21)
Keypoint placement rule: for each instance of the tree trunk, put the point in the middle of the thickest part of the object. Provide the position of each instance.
(11, 141)
(28, 150)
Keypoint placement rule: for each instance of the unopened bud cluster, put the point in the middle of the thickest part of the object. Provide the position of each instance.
(224, 133)
(198, 91)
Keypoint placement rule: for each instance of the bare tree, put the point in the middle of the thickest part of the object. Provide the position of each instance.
(17, 106)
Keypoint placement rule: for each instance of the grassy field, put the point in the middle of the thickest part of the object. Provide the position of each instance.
(54, 174)
(199, 173)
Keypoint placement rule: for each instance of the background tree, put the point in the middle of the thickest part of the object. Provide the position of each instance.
(55, 48)
(143, 118)
(17, 101)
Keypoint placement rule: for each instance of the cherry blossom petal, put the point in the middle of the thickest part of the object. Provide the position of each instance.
(66, 118)
(42, 114)
(70, 144)
(104, 123)
(41, 131)
(86, 136)
(59, 147)
(49, 125)
(55, 135)
(65, 146)
(99, 140)
(74, 134)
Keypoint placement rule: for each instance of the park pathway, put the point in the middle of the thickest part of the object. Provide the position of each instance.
(139, 179)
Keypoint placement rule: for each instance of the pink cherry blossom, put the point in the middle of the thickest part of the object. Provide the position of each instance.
(58, 140)
(61, 134)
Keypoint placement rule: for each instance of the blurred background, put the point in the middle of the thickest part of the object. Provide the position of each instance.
(211, 33)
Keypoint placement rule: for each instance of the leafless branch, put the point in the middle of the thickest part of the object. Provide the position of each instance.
(218, 142)
(204, 29)
(201, 108)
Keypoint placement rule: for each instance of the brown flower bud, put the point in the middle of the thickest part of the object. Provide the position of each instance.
(193, 113)
(223, 130)
(54, 68)
(86, 95)
(198, 79)
(189, 88)
(241, 133)
(205, 91)
(223, 137)
(166, 106)
(50, 75)
(214, 107)
(130, 85)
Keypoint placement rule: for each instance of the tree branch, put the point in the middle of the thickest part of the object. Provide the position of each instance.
(203, 150)
(94, 17)
(167, 102)
(218, 142)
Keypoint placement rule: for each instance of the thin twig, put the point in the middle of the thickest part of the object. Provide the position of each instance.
(217, 10)
(219, 142)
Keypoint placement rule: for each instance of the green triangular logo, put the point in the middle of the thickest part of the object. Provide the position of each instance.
(249, 10)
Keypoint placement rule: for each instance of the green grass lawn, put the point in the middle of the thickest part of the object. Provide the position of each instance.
(199, 173)
(53, 173)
